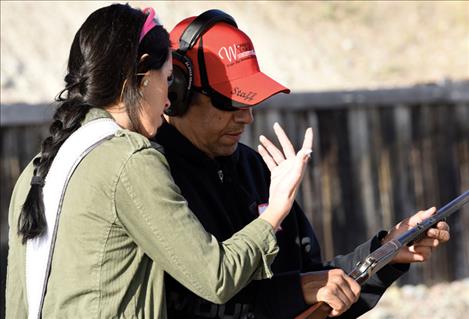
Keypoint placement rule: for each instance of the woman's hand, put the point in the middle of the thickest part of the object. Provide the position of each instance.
(287, 170)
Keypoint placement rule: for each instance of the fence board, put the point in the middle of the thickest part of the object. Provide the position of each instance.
(462, 150)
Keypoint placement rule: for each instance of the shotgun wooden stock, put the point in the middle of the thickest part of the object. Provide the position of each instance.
(319, 310)
(384, 254)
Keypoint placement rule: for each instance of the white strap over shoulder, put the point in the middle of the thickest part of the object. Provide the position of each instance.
(39, 251)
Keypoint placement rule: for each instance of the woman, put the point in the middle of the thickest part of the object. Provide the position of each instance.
(123, 222)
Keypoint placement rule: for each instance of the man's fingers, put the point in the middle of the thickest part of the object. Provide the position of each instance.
(427, 242)
(349, 287)
(419, 253)
(410, 256)
(355, 288)
(272, 149)
(335, 298)
(421, 216)
(438, 234)
(441, 225)
(287, 147)
(423, 252)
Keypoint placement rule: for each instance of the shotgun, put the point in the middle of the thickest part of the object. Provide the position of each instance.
(383, 255)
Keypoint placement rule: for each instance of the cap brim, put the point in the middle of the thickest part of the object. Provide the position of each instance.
(250, 90)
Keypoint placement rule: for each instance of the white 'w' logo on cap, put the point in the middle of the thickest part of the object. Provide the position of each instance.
(230, 53)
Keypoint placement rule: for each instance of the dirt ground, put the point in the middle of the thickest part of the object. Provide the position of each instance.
(441, 301)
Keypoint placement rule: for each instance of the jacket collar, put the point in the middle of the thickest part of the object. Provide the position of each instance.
(94, 114)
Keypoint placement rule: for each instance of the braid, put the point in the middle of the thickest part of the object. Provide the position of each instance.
(67, 119)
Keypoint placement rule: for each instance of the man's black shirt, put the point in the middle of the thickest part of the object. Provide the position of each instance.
(226, 194)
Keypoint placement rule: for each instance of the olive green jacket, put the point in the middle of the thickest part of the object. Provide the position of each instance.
(123, 224)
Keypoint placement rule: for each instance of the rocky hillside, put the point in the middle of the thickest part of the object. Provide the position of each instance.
(305, 45)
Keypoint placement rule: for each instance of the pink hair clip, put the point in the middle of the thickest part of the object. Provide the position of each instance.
(150, 22)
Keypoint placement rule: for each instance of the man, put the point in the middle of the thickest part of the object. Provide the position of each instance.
(217, 81)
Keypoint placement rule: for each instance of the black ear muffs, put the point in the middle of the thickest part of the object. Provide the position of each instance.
(179, 92)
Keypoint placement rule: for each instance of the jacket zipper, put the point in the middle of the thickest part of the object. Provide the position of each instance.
(220, 175)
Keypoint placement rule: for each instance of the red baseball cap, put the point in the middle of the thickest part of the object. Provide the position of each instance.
(230, 63)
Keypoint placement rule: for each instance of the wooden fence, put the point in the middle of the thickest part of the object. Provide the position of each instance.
(378, 157)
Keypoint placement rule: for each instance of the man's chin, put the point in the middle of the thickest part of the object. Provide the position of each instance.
(227, 150)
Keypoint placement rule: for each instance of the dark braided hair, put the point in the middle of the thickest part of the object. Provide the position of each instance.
(102, 68)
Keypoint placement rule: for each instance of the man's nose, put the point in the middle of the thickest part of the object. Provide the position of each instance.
(244, 116)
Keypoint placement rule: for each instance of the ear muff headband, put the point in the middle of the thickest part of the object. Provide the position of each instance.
(180, 89)
(200, 25)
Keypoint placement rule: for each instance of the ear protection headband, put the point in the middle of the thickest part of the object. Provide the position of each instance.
(183, 75)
